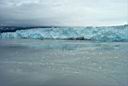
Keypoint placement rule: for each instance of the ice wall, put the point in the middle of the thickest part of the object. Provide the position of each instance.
(115, 33)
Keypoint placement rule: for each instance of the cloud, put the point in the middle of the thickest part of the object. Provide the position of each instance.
(64, 12)
(15, 3)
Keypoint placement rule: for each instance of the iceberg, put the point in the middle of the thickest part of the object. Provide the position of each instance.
(111, 33)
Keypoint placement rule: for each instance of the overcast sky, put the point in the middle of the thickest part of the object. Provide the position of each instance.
(63, 12)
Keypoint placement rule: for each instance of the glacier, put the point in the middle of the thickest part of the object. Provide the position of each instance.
(110, 33)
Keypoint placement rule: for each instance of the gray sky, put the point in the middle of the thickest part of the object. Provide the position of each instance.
(63, 12)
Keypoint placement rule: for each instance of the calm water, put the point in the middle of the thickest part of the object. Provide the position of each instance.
(63, 63)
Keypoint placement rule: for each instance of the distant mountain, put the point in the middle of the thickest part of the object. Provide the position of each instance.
(15, 28)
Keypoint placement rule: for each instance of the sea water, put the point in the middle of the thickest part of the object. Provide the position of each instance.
(63, 63)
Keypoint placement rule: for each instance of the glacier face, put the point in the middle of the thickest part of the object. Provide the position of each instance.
(115, 33)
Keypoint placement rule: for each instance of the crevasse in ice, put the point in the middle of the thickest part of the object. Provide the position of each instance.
(115, 33)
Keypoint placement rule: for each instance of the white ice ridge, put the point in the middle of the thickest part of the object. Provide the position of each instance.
(117, 33)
